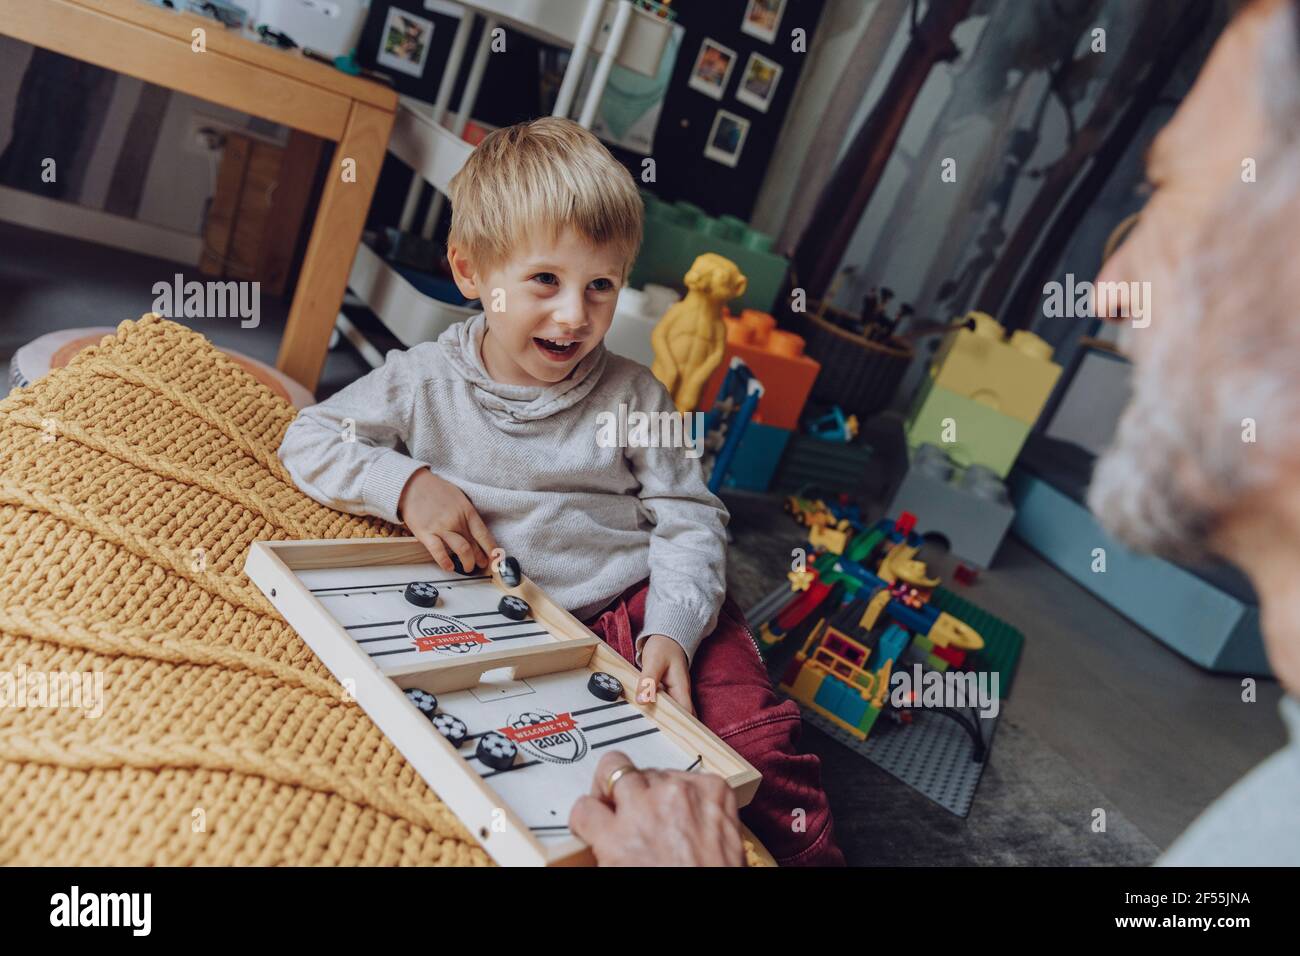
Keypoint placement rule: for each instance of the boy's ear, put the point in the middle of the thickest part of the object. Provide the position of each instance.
(462, 272)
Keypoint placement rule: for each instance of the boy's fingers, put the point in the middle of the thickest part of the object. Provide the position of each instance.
(478, 530)
(436, 548)
(464, 550)
(678, 682)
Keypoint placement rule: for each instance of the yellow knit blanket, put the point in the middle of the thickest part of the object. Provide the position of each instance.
(132, 482)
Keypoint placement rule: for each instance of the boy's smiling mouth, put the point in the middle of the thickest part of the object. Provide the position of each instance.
(557, 350)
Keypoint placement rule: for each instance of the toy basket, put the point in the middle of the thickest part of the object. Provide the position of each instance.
(858, 375)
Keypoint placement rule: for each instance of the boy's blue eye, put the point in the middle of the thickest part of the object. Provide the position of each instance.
(602, 285)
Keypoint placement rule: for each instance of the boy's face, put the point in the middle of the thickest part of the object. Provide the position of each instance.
(547, 307)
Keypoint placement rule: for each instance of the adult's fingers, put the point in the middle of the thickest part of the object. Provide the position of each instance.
(605, 767)
(590, 820)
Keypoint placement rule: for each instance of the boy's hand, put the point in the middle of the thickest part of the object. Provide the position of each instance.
(441, 517)
(663, 659)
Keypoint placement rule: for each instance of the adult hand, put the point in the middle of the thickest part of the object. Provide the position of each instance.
(658, 818)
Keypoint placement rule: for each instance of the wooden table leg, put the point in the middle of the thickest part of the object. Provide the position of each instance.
(333, 243)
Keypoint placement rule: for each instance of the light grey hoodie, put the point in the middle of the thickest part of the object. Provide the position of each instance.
(585, 522)
(1257, 821)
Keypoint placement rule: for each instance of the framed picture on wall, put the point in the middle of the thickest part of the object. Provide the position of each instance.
(712, 68)
(763, 19)
(758, 82)
(404, 41)
(409, 41)
(726, 138)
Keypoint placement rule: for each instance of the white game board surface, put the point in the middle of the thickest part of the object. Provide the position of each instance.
(370, 605)
(562, 730)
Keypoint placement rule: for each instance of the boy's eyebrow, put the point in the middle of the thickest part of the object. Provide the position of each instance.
(553, 267)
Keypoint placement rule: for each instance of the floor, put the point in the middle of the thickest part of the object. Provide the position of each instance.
(37, 296)
(1101, 715)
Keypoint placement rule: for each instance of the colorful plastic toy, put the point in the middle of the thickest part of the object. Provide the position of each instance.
(859, 625)
(833, 539)
(834, 426)
(756, 460)
(809, 512)
(726, 423)
(777, 358)
(1013, 375)
(675, 233)
(984, 393)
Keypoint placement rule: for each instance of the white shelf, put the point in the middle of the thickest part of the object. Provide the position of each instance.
(559, 22)
(551, 21)
(433, 151)
(405, 311)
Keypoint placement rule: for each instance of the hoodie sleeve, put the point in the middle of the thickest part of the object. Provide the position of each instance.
(688, 545)
(344, 451)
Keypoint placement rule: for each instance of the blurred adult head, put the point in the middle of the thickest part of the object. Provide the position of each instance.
(1206, 458)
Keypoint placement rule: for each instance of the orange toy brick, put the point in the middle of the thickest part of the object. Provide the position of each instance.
(776, 358)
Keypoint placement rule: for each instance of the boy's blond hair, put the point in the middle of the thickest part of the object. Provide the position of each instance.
(536, 178)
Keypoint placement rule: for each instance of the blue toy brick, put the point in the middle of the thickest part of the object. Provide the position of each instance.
(919, 620)
(756, 457)
(890, 646)
(841, 700)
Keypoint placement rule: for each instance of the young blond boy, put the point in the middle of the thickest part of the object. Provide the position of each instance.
(489, 436)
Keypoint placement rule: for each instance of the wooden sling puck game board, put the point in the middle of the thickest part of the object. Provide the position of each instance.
(501, 700)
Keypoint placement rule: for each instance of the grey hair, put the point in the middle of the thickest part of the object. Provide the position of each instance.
(1215, 413)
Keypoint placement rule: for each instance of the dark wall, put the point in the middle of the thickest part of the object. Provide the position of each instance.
(517, 87)
(683, 170)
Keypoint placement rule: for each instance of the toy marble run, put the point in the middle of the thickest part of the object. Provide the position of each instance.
(813, 512)
(859, 625)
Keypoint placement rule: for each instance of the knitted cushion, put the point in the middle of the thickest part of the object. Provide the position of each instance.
(131, 483)
(55, 350)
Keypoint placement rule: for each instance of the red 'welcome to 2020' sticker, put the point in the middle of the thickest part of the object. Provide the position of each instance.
(544, 735)
(438, 632)
(560, 723)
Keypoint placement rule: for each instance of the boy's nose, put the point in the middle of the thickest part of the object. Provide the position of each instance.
(570, 312)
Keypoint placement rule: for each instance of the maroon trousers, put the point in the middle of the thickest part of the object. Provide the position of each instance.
(733, 697)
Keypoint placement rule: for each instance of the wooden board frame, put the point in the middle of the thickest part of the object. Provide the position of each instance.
(273, 567)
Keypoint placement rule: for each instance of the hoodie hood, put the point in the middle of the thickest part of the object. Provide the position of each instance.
(462, 345)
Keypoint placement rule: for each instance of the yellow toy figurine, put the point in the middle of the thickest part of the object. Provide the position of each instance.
(691, 337)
